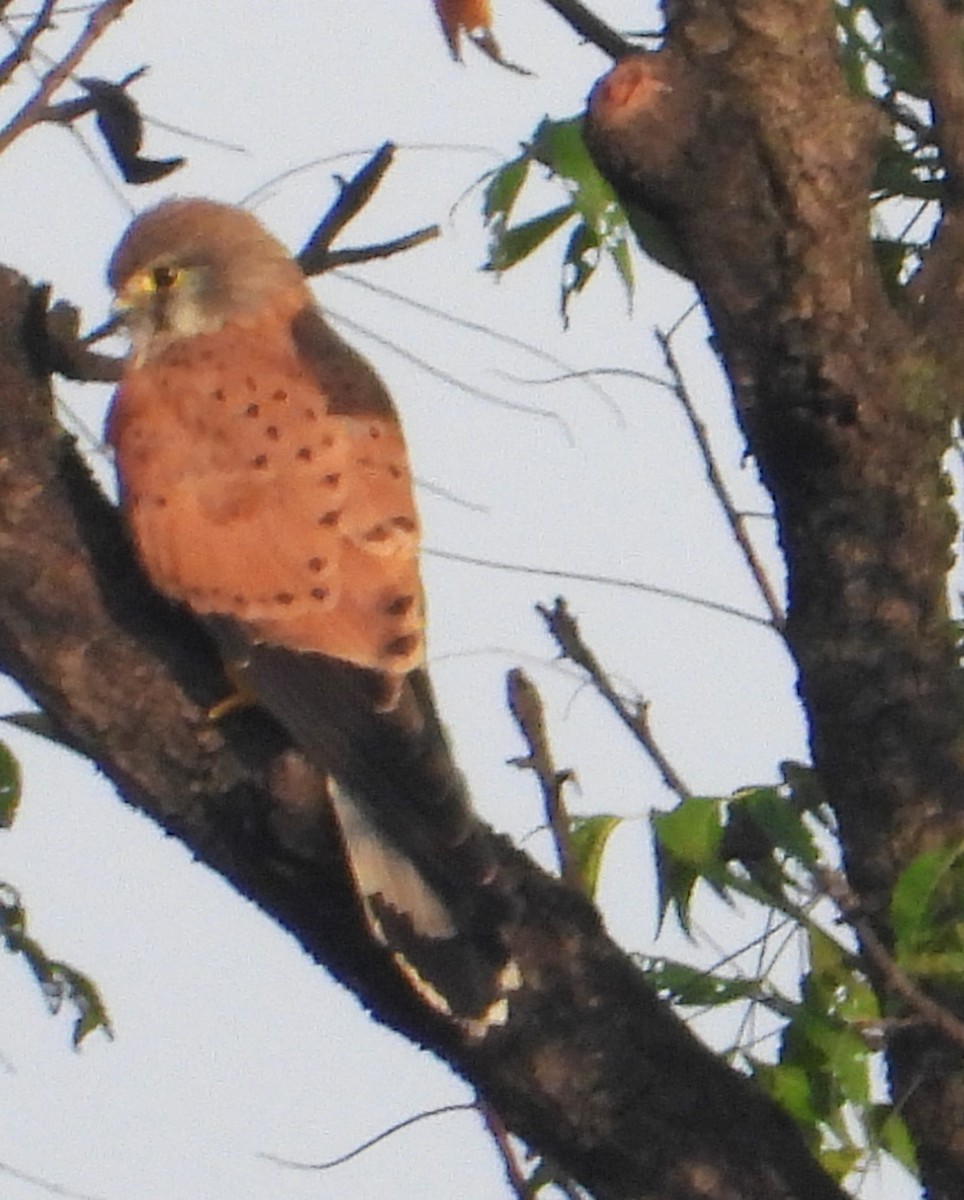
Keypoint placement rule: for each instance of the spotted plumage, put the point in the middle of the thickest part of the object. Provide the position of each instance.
(266, 484)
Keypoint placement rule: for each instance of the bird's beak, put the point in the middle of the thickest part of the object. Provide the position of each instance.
(106, 329)
(133, 293)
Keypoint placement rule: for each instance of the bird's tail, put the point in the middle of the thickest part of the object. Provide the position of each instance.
(421, 859)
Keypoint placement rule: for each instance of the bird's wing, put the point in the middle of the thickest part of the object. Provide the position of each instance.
(248, 498)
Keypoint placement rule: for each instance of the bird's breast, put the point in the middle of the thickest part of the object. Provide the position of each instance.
(247, 497)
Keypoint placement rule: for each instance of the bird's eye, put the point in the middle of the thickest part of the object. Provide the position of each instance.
(165, 278)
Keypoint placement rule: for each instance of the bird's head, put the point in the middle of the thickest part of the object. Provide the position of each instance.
(191, 266)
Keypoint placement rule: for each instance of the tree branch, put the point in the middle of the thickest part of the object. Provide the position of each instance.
(103, 16)
(760, 162)
(940, 29)
(525, 704)
(562, 625)
(718, 486)
(592, 28)
(895, 978)
(27, 40)
(591, 1068)
(316, 256)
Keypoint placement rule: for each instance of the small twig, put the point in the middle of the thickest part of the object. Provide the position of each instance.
(331, 259)
(496, 335)
(895, 977)
(61, 12)
(592, 28)
(54, 1189)
(26, 40)
(446, 376)
(65, 352)
(939, 28)
(614, 581)
(518, 1183)
(718, 486)
(317, 256)
(33, 110)
(444, 493)
(562, 625)
(353, 195)
(372, 1141)
(901, 114)
(525, 704)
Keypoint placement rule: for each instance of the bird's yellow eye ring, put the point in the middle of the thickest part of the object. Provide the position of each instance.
(165, 278)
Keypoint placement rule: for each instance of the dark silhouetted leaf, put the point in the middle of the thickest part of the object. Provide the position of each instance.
(120, 124)
(10, 786)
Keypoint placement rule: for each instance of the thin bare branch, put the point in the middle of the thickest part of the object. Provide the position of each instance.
(496, 335)
(317, 257)
(447, 377)
(562, 625)
(100, 19)
(444, 493)
(70, 355)
(369, 1142)
(53, 1189)
(25, 41)
(518, 1184)
(331, 259)
(352, 197)
(63, 11)
(615, 581)
(525, 704)
(592, 28)
(718, 486)
(940, 27)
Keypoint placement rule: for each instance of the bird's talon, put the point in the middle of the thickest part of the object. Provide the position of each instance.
(240, 697)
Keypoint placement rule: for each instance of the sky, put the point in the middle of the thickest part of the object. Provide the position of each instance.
(229, 1044)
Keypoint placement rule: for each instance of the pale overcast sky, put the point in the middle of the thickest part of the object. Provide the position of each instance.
(229, 1042)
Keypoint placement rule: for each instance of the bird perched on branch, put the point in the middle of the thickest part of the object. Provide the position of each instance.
(265, 480)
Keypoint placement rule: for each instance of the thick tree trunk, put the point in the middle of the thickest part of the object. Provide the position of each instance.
(741, 133)
(592, 1069)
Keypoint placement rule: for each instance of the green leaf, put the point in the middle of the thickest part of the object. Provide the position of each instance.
(588, 837)
(511, 246)
(934, 964)
(675, 888)
(559, 145)
(623, 260)
(825, 954)
(579, 261)
(912, 901)
(10, 786)
(782, 823)
(692, 832)
(503, 190)
(839, 1161)
(685, 984)
(601, 228)
(59, 983)
(834, 1056)
(790, 1087)
(888, 1130)
(687, 845)
(806, 790)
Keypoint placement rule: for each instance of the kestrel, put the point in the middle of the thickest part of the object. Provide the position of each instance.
(265, 480)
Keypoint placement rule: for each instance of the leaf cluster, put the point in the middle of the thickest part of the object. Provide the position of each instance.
(59, 983)
(765, 844)
(597, 225)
